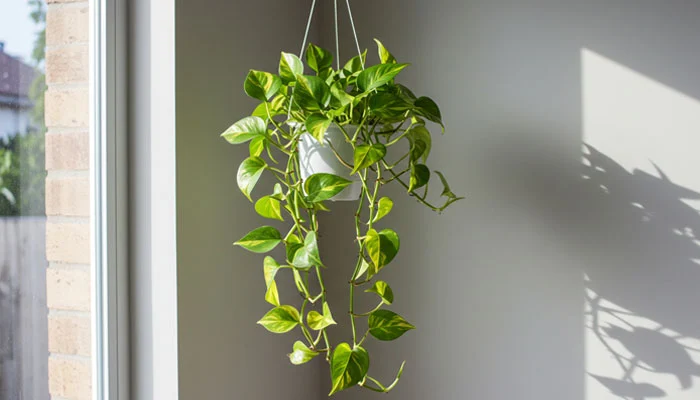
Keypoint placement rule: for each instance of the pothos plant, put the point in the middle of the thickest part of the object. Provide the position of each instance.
(375, 115)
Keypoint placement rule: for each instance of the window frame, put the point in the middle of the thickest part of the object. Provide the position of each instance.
(108, 202)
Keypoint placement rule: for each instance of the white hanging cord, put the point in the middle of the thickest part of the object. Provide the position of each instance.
(337, 46)
(301, 53)
(354, 32)
(308, 26)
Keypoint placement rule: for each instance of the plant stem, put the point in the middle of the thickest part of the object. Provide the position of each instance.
(360, 244)
(412, 193)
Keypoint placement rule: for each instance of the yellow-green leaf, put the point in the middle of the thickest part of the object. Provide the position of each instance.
(293, 244)
(420, 175)
(318, 59)
(260, 240)
(248, 174)
(421, 142)
(261, 85)
(382, 246)
(270, 268)
(387, 325)
(269, 207)
(311, 93)
(318, 321)
(384, 291)
(355, 64)
(383, 208)
(301, 286)
(244, 130)
(320, 187)
(272, 295)
(348, 367)
(317, 124)
(301, 353)
(378, 75)
(257, 146)
(366, 155)
(280, 319)
(340, 97)
(290, 67)
(307, 256)
(364, 267)
(384, 56)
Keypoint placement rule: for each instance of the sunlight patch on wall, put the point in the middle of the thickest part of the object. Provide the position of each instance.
(641, 166)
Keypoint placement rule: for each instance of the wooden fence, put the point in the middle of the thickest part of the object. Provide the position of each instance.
(23, 312)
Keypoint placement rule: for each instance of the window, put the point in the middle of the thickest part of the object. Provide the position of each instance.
(58, 277)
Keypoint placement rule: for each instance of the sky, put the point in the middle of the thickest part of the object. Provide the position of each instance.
(17, 29)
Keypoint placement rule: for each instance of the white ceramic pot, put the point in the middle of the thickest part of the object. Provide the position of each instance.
(315, 158)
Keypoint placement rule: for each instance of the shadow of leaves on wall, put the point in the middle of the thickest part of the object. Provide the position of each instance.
(642, 290)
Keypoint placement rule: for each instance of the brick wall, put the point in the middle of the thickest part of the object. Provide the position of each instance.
(67, 199)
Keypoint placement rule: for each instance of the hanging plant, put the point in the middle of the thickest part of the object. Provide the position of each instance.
(345, 134)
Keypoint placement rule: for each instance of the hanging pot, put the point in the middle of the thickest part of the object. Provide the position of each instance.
(315, 158)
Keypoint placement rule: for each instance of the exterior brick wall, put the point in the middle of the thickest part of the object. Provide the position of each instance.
(67, 199)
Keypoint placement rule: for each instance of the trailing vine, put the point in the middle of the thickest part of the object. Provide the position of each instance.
(375, 115)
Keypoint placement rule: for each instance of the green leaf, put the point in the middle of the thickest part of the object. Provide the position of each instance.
(293, 245)
(340, 98)
(269, 207)
(382, 246)
(311, 93)
(366, 155)
(406, 93)
(364, 267)
(272, 295)
(317, 321)
(384, 56)
(290, 67)
(280, 319)
(277, 192)
(248, 174)
(383, 208)
(260, 240)
(270, 268)
(387, 325)
(246, 129)
(421, 142)
(257, 146)
(426, 107)
(301, 353)
(307, 256)
(388, 106)
(378, 75)
(317, 124)
(261, 111)
(322, 186)
(355, 64)
(446, 191)
(348, 367)
(261, 85)
(383, 290)
(420, 175)
(301, 287)
(317, 58)
(275, 107)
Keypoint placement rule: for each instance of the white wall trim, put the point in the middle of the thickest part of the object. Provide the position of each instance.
(152, 200)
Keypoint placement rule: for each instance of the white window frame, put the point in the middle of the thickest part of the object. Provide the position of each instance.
(133, 229)
(109, 214)
(152, 200)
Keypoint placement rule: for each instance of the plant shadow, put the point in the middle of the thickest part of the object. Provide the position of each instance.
(642, 288)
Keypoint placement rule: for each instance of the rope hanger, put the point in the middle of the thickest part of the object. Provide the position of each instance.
(337, 45)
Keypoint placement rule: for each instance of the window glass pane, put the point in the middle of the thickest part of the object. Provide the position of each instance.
(45, 283)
